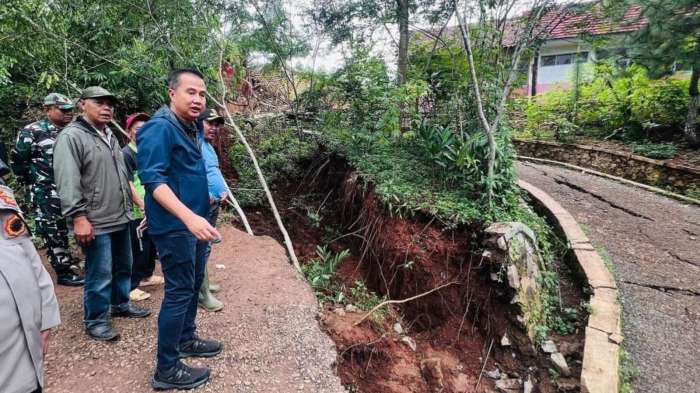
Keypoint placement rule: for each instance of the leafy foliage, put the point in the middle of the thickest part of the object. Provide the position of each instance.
(614, 99)
(280, 153)
(320, 271)
(656, 150)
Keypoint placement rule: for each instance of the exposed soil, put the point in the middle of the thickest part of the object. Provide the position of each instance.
(456, 329)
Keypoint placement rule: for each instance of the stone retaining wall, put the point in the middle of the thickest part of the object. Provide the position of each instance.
(600, 372)
(629, 166)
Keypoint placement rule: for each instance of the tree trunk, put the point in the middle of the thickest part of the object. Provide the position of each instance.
(402, 12)
(691, 121)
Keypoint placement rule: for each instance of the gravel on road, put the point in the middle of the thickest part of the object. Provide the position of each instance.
(273, 342)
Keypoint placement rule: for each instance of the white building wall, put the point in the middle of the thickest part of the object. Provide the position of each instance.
(553, 76)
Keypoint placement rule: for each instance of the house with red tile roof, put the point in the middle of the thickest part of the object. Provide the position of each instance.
(568, 35)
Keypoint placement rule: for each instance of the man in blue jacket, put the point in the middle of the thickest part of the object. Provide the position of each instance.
(211, 124)
(172, 170)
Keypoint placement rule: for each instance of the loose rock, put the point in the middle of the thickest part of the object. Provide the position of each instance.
(510, 385)
(505, 341)
(494, 374)
(339, 311)
(559, 362)
(548, 346)
(410, 342)
(528, 386)
(398, 328)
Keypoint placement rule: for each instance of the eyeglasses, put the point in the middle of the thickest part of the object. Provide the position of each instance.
(69, 110)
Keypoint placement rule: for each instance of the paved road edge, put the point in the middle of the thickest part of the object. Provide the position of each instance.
(603, 336)
(647, 187)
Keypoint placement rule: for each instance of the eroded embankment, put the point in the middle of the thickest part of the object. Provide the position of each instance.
(450, 340)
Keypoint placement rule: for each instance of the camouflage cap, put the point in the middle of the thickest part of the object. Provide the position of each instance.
(59, 100)
(210, 114)
(96, 92)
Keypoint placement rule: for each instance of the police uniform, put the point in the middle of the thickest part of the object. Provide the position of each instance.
(28, 304)
(32, 163)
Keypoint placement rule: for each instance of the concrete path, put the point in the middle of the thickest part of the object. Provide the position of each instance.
(654, 244)
(273, 342)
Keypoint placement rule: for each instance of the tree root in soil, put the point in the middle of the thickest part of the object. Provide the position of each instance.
(387, 302)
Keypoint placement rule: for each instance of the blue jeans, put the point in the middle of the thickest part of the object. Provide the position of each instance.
(182, 259)
(107, 276)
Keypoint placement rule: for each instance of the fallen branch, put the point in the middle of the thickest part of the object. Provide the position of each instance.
(233, 202)
(483, 367)
(261, 178)
(382, 304)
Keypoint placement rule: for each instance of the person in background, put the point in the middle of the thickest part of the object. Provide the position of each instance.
(218, 192)
(172, 170)
(142, 247)
(28, 305)
(93, 185)
(32, 163)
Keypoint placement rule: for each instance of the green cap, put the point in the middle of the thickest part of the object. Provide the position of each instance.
(59, 100)
(210, 115)
(96, 92)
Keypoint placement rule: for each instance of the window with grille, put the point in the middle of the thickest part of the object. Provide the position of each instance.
(564, 58)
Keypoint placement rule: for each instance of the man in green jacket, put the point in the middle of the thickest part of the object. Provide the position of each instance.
(93, 185)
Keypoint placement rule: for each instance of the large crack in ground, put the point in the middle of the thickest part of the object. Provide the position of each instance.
(601, 198)
(665, 288)
(681, 259)
(564, 182)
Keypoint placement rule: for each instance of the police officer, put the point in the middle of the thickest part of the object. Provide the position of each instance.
(32, 162)
(28, 306)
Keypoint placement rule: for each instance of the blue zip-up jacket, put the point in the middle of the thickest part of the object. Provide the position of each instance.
(217, 184)
(167, 155)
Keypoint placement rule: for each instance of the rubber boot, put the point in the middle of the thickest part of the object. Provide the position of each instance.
(214, 288)
(206, 300)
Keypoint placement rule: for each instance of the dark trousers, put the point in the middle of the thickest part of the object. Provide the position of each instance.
(144, 255)
(107, 276)
(182, 259)
(51, 226)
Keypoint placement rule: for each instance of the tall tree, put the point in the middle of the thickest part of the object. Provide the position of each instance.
(490, 29)
(355, 22)
(669, 41)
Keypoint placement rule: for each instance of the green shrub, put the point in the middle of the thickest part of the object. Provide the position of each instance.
(280, 153)
(548, 116)
(615, 98)
(661, 151)
(320, 272)
(663, 102)
(363, 298)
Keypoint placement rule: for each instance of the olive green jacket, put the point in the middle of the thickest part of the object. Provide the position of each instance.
(91, 177)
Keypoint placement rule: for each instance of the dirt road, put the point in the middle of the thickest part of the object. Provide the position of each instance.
(654, 244)
(272, 340)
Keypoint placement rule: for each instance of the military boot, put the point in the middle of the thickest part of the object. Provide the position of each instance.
(206, 299)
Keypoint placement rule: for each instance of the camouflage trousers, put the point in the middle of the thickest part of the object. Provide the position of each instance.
(51, 227)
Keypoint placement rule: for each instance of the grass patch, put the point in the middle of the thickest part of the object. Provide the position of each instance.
(628, 372)
(607, 258)
(660, 151)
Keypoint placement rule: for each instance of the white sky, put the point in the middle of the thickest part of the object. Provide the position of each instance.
(329, 58)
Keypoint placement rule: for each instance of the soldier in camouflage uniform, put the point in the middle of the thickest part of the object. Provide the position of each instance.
(32, 162)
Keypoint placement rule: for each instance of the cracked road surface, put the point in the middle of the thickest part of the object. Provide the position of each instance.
(654, 244)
